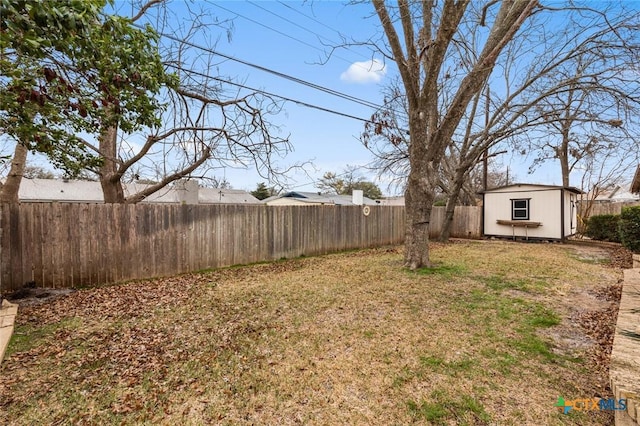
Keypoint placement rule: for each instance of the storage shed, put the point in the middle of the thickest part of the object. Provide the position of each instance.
(529, 211)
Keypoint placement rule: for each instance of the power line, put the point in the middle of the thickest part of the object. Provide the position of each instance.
(303, 28)
(201, 74)
(309, 17)
(266, 26)
(366, 166)
(271, 71)
(303, 103)
(278, 74)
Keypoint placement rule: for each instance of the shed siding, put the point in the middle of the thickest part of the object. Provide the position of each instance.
(570, 213)
(544, 207)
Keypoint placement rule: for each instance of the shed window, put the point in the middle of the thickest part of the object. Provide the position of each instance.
(520, 209)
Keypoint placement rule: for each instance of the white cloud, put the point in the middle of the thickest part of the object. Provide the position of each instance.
(364, 72)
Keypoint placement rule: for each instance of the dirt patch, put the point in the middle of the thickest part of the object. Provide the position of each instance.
(612, 254)
(590, 251)
(30, 296)
(592, 311)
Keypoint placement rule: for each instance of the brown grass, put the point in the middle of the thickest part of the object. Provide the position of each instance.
(487, 337)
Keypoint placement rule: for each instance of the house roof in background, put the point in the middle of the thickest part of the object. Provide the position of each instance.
(391, 201)
(316, 198)
(226, 196)
(617, 194)
(164, 195)
(80, 191)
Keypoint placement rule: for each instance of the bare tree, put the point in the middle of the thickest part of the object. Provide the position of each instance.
(37, 172)
(205, 122)
(241, 135)
(386, 136)
(428, 32)
(215, 182)
(600, 173)
(595, 115)
(517, 109)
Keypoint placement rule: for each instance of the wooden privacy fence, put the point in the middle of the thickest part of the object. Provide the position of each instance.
(604, 208)
(467, 222)
(72, 245)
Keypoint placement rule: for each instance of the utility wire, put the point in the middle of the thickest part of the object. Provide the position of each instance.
(278, 74)
(271, 71)
(309, 17)
(201, 74)
(303, 28)
(266, 26)
(303, 103)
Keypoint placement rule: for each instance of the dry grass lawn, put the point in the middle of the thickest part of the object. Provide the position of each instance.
(489, 336)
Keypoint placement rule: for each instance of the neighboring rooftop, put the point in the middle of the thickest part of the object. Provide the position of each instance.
(43, 190)
(225, 196)
(79, 191)
(391, 201)
(617, 195)
(301, 198)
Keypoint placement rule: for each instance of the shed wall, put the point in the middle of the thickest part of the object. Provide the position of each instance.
(544, 207)
(570, 213)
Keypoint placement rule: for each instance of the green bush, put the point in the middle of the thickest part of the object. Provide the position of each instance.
(629, 228)
(603, 227)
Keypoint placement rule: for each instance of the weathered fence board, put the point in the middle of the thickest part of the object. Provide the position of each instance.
(604, 208)
(467, 222)
(72, 245)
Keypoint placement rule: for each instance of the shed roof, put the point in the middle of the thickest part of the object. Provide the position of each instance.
(532, 187)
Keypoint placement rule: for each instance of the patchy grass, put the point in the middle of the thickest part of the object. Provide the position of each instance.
(444, 270)
(443, 408)
(349, 338)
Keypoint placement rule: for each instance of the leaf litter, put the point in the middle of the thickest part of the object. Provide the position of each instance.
(320, 340)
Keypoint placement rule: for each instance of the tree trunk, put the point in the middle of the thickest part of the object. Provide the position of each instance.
(9, 191)
(419, 197)
(418, 205)
(563, 157)
(109, 174)
(420, 59)
(445, 231)
(563, 152)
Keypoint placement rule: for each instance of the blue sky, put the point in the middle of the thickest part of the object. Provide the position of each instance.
(288, 37)
(294, 38)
